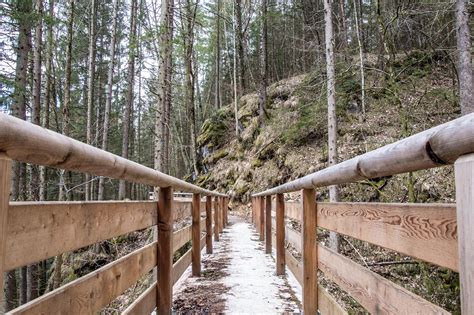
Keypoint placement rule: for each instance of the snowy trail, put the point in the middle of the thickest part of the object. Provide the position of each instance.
(238, 278)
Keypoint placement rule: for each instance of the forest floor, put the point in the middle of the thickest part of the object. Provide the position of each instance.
(237, 278)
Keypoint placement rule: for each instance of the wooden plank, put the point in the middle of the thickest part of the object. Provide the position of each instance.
(209, 225)
(280, 234)
(309, 253)
(5, 180)
(144, 304)
(89, 294)
(216, 219)
(326, 303)
(424, 231)
(261, 209)
(464, 172)
(183, 263)
(181, 237)
(196, 238)
(165, 253)
(26, 142)
(268, 224)
(373, 292)
(39, 230)
(293, 210)
(294, 238)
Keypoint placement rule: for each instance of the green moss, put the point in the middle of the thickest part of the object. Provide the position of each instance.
(214, 129)
(256, 163)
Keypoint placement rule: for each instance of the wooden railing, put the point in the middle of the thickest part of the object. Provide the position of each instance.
(441, 234)
(34, 231)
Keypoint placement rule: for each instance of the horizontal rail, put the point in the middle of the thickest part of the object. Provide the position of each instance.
(88, 294)
(29, 143)
(434, 147)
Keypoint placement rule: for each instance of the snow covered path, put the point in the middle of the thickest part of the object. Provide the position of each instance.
(237, 278)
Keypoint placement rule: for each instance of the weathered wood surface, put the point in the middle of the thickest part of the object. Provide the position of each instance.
(268, 224)
(464, 172)
(326, 303)
(182, 209)
(261, 215)
(165, 252)
(424, 231)
(216, 219)
(89, 294)
(144, 304)
(26, 142)
(5, 180)
(183, 263)
(208, 225)
(181, 237)
(434, 147)
(309, 252)
(375, 293)
(280, 234)
(40, 230)
(196, 235)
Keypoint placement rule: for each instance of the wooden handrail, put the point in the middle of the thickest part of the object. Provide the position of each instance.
(29, 143)
(434, 147)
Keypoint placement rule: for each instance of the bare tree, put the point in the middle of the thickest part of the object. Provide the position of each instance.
(466, 79)
(361, 56)
(262, 99)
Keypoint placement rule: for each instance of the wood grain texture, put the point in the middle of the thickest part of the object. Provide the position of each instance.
(26, 142)
(5, 179)
(375, 293)
(280, 234)
(87, 295)
(216, 219)
(209, 225)
(309, 253)
(182, 209)
(268, 224)
(39, 230)
(181, 237)
(434, 147)
(261, 209)
(196, 235)
(464, 171)
(424, 231)
(183, 263)
(165, 252)
(144, 304)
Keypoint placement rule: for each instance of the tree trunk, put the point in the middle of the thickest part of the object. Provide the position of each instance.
(361, 56)
(263, 65)
(463, 37)
(237, 81)
(331, 96)
(240, 46)
(218, 56)
(129, 101)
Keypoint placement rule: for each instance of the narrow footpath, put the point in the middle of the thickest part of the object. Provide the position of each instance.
(238, 278)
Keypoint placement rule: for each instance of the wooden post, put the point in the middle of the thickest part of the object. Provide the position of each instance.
(268, 225)
(223, 211)
(253, 210)
(464, 173)
(5, 177)
(226, 199)
(216, 219)
(165, 251)
(262, 217)
(280, 235)
(310, 258)
(208, 224)
(196, 235)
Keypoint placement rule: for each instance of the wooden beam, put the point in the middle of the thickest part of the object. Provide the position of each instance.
(144, 304)
(268, 224)
(89, 294)
(181, 237)
(309, 253)
(183, 263)
(424, 231)
(375, 293)
(39, 230)
(165, 253)
(280, 234)
(209, 225)
(196, 249)
(5, 179)
(216, 219)
(261, 209)
(464, 172)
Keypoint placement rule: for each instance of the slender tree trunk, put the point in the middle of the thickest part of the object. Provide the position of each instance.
(463, 37)
(90, 85)
(237, 37)
(361, 57)
(331, 95)
(263, 64)
(240, 46)
(129, 101)
(218, 56)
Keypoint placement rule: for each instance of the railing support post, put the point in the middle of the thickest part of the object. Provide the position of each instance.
(165, 251)
(223, 213)
(280, 235)
(208, 224)
(268, 224)
(216, 219)
(196, 235)
(5, 176)
(261, 209)
(226, 204)
(310, 259)
(464, 173)
(253, 210)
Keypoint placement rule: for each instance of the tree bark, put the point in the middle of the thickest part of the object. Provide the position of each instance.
(218, 56)
(263, 64)
(361, 56)
(463, 38)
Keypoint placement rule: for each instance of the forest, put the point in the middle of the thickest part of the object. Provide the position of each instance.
(237, 96)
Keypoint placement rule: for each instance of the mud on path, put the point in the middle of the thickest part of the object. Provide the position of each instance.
(237, 278)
